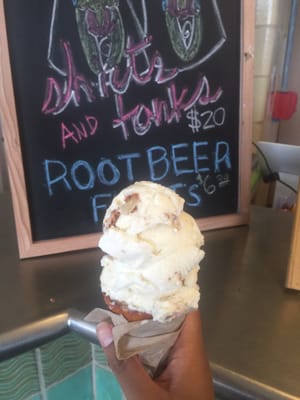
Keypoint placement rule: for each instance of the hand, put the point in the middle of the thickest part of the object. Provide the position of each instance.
(187, 373)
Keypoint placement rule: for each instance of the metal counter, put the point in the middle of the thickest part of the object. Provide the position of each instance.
(251, 322)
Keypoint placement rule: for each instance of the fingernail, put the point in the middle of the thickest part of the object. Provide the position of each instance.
(104, 332)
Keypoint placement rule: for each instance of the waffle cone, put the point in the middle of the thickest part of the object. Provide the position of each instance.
(122, 309)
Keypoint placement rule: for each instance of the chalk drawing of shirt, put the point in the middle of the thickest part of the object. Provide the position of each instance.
(99, 25)
(101, 32)
(185, 33)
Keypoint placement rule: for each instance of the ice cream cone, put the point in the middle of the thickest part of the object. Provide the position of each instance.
(152, 252)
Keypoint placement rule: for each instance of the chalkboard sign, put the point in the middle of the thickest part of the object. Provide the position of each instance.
(97, 94)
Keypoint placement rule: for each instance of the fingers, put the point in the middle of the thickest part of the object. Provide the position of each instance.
(190, 350)
(119, 367)
(130, 373)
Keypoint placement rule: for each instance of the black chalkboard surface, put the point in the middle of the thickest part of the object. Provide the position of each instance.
(111, 92)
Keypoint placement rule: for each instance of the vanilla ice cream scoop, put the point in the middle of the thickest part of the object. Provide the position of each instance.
(153, 251)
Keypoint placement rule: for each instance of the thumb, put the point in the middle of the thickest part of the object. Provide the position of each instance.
(105, 336)
(130, 373)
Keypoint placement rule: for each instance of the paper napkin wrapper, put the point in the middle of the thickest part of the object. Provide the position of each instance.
(151, 340)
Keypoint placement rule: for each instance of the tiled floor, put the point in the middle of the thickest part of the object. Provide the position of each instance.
(66, 368)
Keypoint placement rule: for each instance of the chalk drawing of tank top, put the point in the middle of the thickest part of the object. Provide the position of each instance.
(184, 23)
(196, 30)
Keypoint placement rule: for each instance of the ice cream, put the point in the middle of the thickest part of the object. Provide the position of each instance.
(153, 250)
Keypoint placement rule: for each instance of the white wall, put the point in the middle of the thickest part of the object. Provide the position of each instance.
(272, 18)
(289, 131)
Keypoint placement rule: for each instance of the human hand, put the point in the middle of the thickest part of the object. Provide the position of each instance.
(186, 375)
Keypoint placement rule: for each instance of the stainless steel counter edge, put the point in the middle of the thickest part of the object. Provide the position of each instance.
(37, 333)
(32, 335)
(231, 385)
(227, 383)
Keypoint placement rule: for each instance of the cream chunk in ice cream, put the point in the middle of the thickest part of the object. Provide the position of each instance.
(153, 251)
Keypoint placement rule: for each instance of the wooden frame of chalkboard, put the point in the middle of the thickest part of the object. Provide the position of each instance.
(293, 270)
(95, 95)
